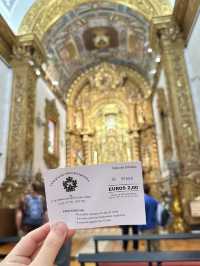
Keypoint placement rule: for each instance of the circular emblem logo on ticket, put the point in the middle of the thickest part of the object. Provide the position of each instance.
(70, 184)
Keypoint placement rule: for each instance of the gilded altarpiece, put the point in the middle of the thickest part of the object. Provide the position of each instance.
(110, 119)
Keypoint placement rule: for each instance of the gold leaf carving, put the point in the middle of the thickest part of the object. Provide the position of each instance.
(44, 13)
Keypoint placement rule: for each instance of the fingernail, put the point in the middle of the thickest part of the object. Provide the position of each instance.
(59, 228)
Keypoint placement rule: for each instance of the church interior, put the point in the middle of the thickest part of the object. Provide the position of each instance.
(101, 81)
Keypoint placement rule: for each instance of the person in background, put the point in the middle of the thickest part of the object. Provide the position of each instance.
(125, 231)
(151, 205)
(39, 247)
(31, 212)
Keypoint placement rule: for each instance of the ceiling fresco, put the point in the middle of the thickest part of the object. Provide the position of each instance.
(94, 33)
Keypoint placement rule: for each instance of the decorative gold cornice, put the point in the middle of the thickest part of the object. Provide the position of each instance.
(185, 13)
(98, 71)
(7, 39)
(166, 28)
(28, 47)
(44, 13)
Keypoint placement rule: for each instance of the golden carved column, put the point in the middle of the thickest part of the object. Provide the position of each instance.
(71, 156)
(187, 141)
(28, 56)
(181, 106)
(70, 117)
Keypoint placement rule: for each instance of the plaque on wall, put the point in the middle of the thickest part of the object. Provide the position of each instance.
(195, 208)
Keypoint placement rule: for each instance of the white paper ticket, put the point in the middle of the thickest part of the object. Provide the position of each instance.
(96, 195)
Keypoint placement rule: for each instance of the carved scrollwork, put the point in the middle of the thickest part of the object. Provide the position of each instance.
(28, 48)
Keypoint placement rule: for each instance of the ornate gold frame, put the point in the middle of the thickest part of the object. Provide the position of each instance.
(51, 114)
(44, 13)
(105, 83)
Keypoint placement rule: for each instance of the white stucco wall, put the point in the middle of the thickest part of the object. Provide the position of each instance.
(192, 55)
(44, 93)
(158, 127)
(162, 84)
(5, 101)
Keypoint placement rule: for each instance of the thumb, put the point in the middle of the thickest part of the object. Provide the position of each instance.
(52, 244)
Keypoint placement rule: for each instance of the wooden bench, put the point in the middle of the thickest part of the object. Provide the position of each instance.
(137, 256)
(147, 238)
(7, 244)
(10, 239)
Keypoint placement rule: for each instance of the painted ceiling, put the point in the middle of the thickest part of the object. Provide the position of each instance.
(83, 38)
(89, 34)
(14, 11)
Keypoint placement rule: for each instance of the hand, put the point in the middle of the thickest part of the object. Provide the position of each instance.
(40, 247)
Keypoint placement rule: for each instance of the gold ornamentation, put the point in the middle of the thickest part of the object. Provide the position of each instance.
(44, 13)
(11, 190)
(180, 97)
(51, 115)
(185, 13)
(20, 149)
(107, 77)
(7, 40)
(181, 106)
(21, 132)
(110, 118)
(191, 190)
(28, 48)
(178, 225)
